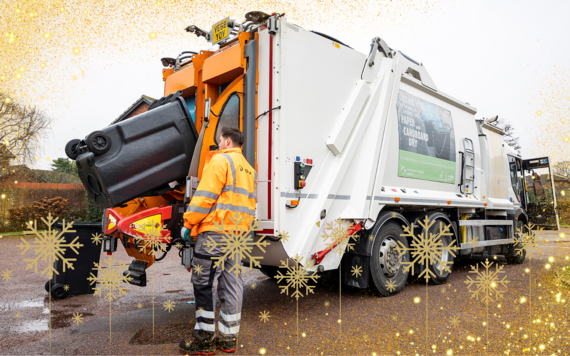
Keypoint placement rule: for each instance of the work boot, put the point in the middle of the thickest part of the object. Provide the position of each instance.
(225, 346)
(193, 347)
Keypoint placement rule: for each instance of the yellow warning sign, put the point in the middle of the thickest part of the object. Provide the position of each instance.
(318, 223)
(220, 30)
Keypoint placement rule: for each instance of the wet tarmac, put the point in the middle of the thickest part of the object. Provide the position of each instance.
(532, 314)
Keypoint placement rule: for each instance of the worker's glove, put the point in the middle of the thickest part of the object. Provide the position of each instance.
(185, 233)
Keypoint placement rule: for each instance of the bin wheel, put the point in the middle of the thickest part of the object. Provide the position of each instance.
(98, 142)
(71, 149)
(269, 271)
(47, 285)
(57, 291)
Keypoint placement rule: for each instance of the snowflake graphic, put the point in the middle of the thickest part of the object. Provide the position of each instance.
(169, 306)
(526, 239)
(139, 305)
(197, 268)
(253, 285)
(17, 315)
(336, 234)
(264, 316)
(178, 245)
(327, 303)
(356, 271)
(473, 242)
(296, 277)
(7, 275)
(77, 318)
(110, 279)
(487, 283)
(50, 246)
(283, 236)
(391, 285)
(152, 238)
(97, 238)
(236, 243)
(371, 237)
(66, 287)
(454, 321)
(427, 248)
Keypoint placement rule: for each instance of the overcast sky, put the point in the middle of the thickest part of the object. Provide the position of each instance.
(508, 58)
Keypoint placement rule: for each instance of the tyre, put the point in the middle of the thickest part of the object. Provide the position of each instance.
(57, 291)
(47, 285)
(98, 142)
(269, 271)
(71, 149)
(386, 265)
(440, 271)
(515, 254)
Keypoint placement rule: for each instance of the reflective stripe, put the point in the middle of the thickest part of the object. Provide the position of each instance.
(230, 317)
(205, 314)
(231, 165)
(207, 194)
(252, 196)
(227, 188)
(227, 331)
(197, 209)
(205, 326)
(239, 209)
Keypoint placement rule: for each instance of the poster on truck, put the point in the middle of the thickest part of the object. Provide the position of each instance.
(427, 140)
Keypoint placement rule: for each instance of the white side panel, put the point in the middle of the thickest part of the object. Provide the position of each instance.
(315, 79)
(347, 117)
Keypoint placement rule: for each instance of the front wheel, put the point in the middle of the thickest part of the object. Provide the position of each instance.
(386, 263)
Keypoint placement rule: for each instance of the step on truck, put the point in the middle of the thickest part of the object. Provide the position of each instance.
(336, 136)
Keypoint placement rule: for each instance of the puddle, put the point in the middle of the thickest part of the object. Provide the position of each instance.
(174, 291)
(33, 326)
(25, 304)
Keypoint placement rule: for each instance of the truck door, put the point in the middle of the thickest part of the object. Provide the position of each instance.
(539, 194)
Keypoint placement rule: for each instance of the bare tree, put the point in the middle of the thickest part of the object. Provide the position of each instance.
(562, 168)
(21, 130)
(510, 137)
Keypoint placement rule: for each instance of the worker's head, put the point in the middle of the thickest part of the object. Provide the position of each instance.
(231, 137)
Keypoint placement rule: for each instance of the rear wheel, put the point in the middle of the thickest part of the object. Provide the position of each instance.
(269, 271)
(516, 253)
(441, 269)
(386, 263)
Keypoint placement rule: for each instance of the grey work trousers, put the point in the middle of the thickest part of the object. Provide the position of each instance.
(230, 291)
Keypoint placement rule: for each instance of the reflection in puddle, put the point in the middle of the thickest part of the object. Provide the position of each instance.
(25, 304)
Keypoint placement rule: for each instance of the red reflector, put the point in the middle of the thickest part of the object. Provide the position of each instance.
(109, 253)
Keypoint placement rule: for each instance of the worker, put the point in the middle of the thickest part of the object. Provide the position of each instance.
(226, 191)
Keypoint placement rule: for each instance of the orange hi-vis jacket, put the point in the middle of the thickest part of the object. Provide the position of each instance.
(227, 188)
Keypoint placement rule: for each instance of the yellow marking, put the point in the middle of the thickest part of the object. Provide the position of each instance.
(149, 223)
(112, 222)
(336, 45)
(318, 223)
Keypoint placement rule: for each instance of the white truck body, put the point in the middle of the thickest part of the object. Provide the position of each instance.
(359, 126)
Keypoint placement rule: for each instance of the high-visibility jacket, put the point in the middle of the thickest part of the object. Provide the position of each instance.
(227, 188)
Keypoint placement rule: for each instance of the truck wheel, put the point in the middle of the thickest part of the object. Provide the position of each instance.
(516, 255)
(440, 275)
(385, 264)
(269, 271)
(98, 142)
(71, 149)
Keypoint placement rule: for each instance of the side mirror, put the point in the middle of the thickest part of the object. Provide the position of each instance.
(207, 111)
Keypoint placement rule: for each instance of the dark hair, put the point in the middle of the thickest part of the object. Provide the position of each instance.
(234, 134)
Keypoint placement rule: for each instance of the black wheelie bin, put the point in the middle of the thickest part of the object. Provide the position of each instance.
(76, 279)
(139, 156)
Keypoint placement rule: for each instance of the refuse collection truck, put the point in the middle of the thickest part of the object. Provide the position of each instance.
(336, 137)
